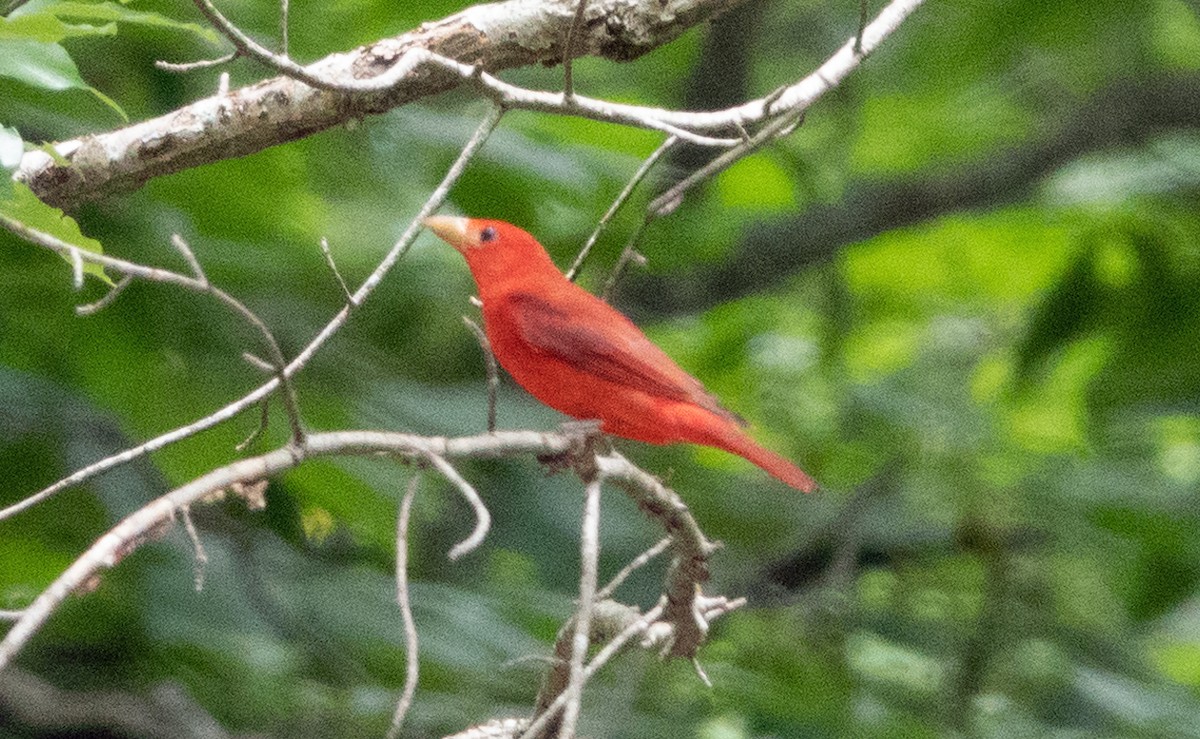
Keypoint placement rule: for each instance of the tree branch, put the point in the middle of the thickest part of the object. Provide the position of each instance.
(153, 519)
(493, 36)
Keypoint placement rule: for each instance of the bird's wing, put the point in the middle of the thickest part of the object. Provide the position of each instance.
(577, 328)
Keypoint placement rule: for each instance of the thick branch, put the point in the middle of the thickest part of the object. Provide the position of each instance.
(495, 36)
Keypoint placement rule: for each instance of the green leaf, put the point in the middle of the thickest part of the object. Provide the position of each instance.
(46, 27)
(114, 13)
(47, 66)
(31, 212)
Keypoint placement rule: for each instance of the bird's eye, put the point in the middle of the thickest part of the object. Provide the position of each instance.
(487, 234)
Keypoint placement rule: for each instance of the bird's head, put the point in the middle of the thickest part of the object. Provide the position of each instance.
(498, 253)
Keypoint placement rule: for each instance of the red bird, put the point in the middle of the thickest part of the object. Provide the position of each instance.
(579, 355)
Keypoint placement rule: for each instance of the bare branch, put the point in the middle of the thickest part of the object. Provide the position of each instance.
(640, 561)
(264, 418)
(90, 309)
(497, 36)
(411, 661)
(666, 203)
(630, 186)
(483, 519)
(182, 67)
(379, 77)
(263, 391)
(692, 548)
(156, 517)
(258, 362)
(198, 283)
(589, 548)
(194, 537)
(628, 254)
(569, 49)
(493, 371)
(333, 268)
(551, 710)
(190, 257)
(283, 27)
(862, 25)
(76, 256)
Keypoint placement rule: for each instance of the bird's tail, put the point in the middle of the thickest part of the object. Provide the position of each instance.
(711, 430)
(776, 466)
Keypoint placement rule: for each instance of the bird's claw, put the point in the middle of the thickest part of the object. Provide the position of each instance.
(586, 440)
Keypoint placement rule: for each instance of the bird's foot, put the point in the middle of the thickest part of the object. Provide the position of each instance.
(587, 440)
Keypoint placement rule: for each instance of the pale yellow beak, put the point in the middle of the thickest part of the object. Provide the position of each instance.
(451, 229)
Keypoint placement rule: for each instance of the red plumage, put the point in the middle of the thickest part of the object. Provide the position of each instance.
(579, 355)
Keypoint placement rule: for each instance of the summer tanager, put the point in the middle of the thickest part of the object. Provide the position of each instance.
(578, 355)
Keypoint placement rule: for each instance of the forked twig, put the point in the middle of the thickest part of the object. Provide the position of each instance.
(630, 186)
(411, 661)
(640, 561)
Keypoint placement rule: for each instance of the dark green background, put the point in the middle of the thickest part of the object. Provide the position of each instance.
(965, 295)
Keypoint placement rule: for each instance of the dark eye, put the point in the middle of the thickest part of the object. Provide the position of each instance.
(487, 234)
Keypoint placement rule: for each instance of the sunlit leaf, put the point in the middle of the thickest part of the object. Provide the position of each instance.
(11, 149)
(26, 208)
(46, 27)
(118, 13)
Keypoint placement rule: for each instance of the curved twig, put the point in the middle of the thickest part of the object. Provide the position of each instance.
(411, 661)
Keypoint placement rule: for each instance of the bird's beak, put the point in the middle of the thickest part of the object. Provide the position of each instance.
(450, 229)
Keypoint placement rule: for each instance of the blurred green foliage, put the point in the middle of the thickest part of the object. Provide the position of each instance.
(996, 380)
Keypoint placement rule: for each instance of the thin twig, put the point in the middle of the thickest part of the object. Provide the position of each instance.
(569, 49)
(630, 186)
(91, 309)
(258, 431)
(333, 268)
(606, 653)
(667, 202)
(436, 198)
(862, 26)
(411, 662)
(493, 372)
(76, 255)
(232, 131)
(201, 554)
(182, 67)
(258, 362)
(589, 552)
(637, 562)
(283, 27)
(691, 547)
(190, 257)
(483, 519)
(11, 615)
(628, 254)
(198, 283)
